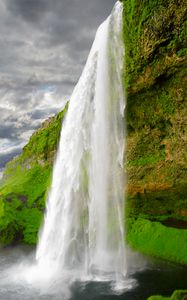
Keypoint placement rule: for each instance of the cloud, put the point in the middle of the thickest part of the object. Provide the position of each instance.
(6, 157)
(8, 150)
(43, 48)
(30, 10)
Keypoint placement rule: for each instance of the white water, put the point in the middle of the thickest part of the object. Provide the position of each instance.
(83, 231)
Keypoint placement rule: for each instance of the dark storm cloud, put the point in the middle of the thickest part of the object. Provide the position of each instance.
(43, 48)
(30, 10)
(62, 21)
(71, 10)
(6, 131)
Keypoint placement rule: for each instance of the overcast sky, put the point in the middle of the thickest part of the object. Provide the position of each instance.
(43, 48)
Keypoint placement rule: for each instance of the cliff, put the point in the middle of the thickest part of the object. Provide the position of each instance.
(155, 80)
(155, 77)
(156, 159)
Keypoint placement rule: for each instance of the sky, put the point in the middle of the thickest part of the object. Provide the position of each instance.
(44, 45)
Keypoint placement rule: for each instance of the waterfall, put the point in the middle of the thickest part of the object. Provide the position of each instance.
(83, 228)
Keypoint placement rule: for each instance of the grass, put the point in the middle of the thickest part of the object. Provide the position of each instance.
(25, 185)
(155, 239)
(22, 204)
(159, 298)
(177, 295)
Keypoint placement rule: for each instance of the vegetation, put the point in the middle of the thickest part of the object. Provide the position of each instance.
(156, 161)
(177, 295)
(154, 34)
(153, 238)
(25, 184)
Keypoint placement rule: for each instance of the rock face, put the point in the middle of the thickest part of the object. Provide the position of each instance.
(155, 79)
(156, 114)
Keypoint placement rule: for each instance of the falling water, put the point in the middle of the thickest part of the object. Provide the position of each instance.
(84, 227)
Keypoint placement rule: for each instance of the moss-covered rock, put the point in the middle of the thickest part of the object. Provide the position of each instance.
(177, 295)
(155, 40)
(155, 79)
(158, 298)
(25, 183)
(155, 239)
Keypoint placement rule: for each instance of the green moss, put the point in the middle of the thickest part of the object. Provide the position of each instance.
(154, 239)
(25, 185)
(31, 219)
(158, 205)
(182, 52)
(152, 29)
(23, 199)
(147, 160)
(177, 295)
(158, 298)
(155, 81)
(20, 183)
